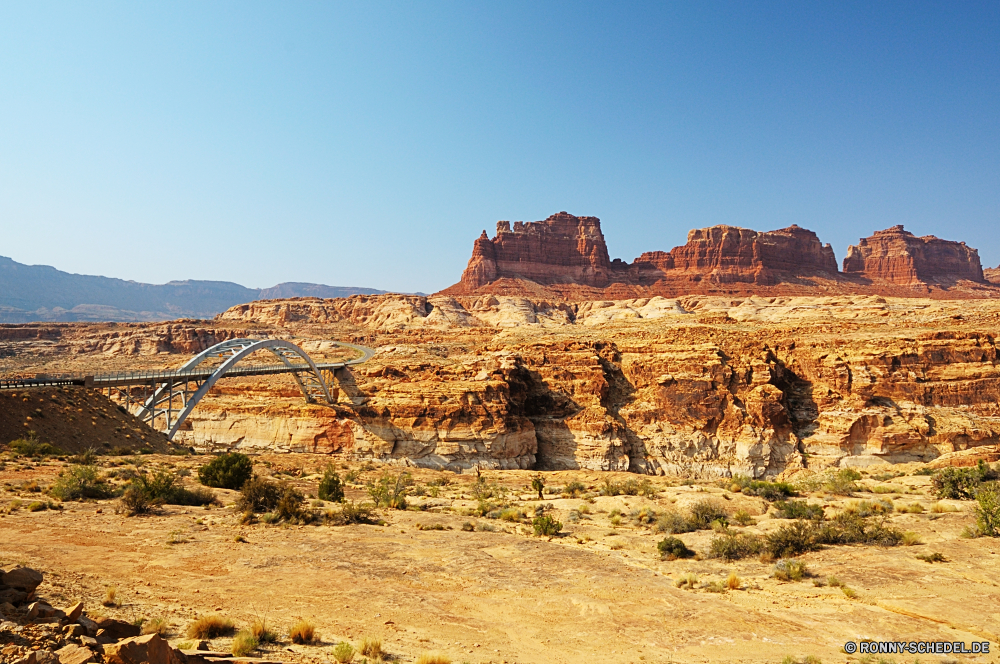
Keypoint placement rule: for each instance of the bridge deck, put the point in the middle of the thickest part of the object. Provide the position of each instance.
(126, 378)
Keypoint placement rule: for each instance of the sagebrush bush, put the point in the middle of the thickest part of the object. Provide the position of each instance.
(164, 488)
(352, 513)
(769, 491)
(734, 546)
(258, 494)
(672, 523)
(843, 483)
(289, 506)
(988, 511)
(390, 492)
(743, 518)
(574, 489)
(797, 509)
(80, 482)
(134, 502)
(704, 512)
(227, 471)
(343, 652)
(791, 540)
(31, 446)
(672, 548)
(210, 627)
(330, 487)
(961, 483)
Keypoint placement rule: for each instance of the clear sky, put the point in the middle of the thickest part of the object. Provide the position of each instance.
(368, 144)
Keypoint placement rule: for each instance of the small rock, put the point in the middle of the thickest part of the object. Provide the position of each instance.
(30, 659)
(88, 625)
(110, 629)
(74, 612)
(46, 657)
(202, 645)
(91, 643)
(74, 630)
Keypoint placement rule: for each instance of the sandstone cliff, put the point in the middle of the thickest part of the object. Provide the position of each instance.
(565, 258)
(992, 275)
(899, 257)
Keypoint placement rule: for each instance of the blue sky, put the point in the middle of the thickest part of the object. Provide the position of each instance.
(368, 144)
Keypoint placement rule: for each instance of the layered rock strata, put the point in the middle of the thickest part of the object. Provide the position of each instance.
(900, 257)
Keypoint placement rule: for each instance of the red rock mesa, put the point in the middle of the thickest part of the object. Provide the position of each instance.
(902, 258)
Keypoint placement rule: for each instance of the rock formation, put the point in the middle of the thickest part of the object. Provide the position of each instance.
(899, 257)
(560, 249)
(565, 258)
(992, 275)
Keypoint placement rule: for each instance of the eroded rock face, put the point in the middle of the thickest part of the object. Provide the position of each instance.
(992, 275)
(560, 249)
(899, 257)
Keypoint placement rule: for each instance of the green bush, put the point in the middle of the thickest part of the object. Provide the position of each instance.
(538, 485)
(227, 471)
(733, 546)
(574, 489)
(134, 502)
(673, 524)
(546, 525)
(797, 509)
(30, 446)
(289, 507)
(390, 492)
(81, 482)
(351, 513)
(852, 528)
(769, 491)
(258, 495)
(672, 548)
(330, 487)
(704, 512)
(162, 488)
(843, 483)
(988, 511)
(961, 483)
(791, 540)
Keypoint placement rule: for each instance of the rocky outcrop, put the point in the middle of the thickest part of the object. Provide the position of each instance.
(992, 275)
(560, 249)
(899, 257)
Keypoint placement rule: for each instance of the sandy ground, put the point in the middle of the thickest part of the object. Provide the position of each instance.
(597, 592)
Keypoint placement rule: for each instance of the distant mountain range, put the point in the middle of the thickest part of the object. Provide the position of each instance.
(30, 293)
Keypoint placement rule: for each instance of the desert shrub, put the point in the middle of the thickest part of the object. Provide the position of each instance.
(643, 516)
(672, 548)
(733, 546)
(848, 592)
(538, 485)
(390, 492)
(914, 508)
(289, 507)
(797, 509)
(941, 508)
(156, 626)
(852, 528)
(988, 510)
(303, 632)
(791, 540)
(843, 483)
(512, 514)
(353, 513)
(161, 487)
(934, 557)
(672, 523)
(574, 489)
(769, 491)
(258, 494)
(790, 570)
(704, 512)
(330, 487)
(244, 643)
(81, 482)
(37, 506)
(688, 580)
(210, 627)
(433, 658)
(924, 471)
(546, 526)
(134, 502)
(627, 488)
(343, 652)
(733, 581)
(227, 471)
(31, 446)
(88, 457)
(910, 538)
(866, 508)
(261, 632)
(961, 483)
(743, 518)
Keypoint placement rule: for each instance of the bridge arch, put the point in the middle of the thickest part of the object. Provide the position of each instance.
(307, 376)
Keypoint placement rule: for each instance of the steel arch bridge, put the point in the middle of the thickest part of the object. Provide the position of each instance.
(165, 399)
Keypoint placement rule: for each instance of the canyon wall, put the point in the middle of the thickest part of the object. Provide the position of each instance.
(899, 257)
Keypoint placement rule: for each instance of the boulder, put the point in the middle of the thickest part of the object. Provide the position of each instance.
(148, 649)
(12, 596)
(74, 630)
(88, 625)
(109, 629)
(46, 657)
(24, 579)
(30, 658)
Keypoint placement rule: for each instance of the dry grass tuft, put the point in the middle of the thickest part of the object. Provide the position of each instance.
(371, 647)
(433, 658)
(110, 596)
(155, 626)
(260, 632)
(733, 582)
(910, 538)
(303, 633)
(210, 627)
(244, 643)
